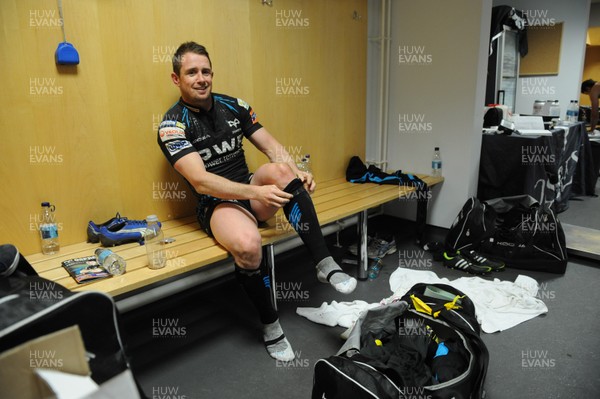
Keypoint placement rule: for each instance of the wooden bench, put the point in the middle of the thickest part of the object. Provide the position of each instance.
(199, 258)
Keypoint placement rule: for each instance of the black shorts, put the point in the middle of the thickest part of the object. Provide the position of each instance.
(207, 204)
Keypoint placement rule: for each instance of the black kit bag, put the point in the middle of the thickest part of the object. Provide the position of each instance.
(527, 235)
(474, 223)
(392, 351)
(518, 230)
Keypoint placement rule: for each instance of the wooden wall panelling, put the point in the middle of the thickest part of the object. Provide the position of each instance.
(84, 137)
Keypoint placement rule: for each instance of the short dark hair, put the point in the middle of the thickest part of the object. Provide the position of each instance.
(188, 47)
(587, 85)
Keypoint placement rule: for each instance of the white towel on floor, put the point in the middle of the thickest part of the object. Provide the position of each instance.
(342, 314)
(499, 305)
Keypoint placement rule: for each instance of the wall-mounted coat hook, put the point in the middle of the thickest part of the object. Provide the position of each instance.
(267, 3)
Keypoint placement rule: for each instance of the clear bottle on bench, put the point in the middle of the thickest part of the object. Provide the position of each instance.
(436, 162)
(155, 243)
(48, 230)
(110, 261)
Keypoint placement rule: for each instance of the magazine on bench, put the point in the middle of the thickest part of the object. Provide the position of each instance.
(85, 269)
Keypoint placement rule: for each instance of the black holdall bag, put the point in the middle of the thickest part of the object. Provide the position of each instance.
(527, 235)
(517, 230)
(397, 351)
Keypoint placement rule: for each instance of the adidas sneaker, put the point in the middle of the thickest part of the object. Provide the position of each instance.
(481, 260)
(457, 261)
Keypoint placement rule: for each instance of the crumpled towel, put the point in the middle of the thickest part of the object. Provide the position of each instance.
(343, 314)
(499, 305)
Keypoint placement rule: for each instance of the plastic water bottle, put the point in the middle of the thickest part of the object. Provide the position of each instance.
(436, 162)
(110, 261)
(374, 269)
(155, 243)
(555, 108)
(48, 230)
(573, 111)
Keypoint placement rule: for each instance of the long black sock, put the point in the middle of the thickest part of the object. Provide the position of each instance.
(301, 214)
(257, 285)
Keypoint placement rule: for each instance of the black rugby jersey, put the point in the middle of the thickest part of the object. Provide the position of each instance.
(216, 135)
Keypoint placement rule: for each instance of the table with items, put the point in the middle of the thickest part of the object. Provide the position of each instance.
(552, 168)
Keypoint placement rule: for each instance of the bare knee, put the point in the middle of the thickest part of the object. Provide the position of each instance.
(280, 174)
(247, 251)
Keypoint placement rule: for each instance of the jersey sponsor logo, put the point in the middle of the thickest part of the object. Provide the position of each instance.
(176, 146)
(234, 123)
(172, 124)
(253, 116)
(243, 103)
(226, 146)
(170, 133)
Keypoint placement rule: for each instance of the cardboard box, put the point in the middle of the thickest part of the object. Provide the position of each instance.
(62, 350)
